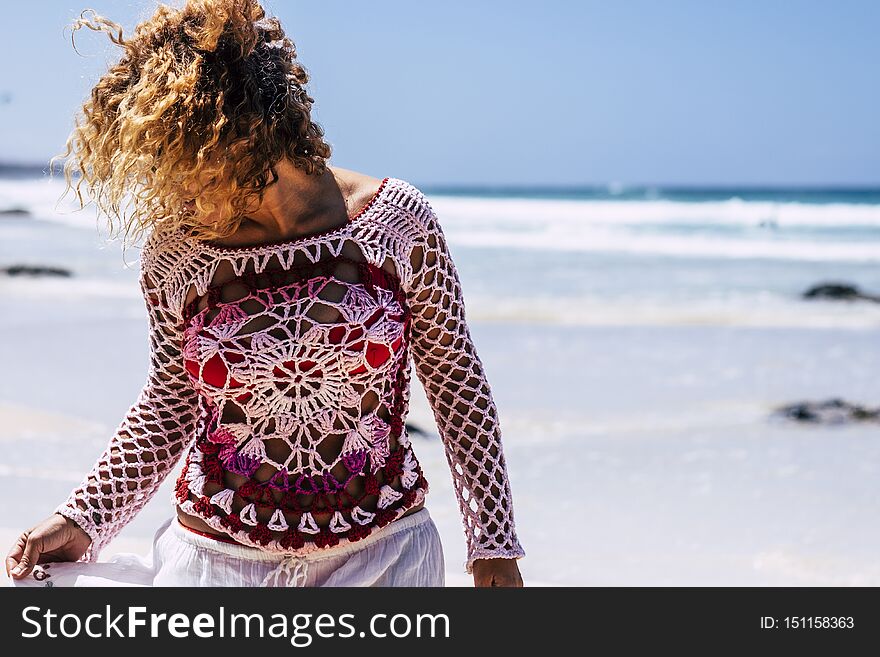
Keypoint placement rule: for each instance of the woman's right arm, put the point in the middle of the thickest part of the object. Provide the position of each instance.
(142, 451)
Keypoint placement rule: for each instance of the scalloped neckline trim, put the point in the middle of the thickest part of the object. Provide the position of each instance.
(301, 239)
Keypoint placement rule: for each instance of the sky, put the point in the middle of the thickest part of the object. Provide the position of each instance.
(508, 93)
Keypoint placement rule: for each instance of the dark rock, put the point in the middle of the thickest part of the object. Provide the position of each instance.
(413, 429)
(832, 290)
(34, 270)
(15, 212)
(830, 411)
(861, 413)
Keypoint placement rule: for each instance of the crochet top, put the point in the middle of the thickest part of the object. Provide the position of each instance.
(280, 373)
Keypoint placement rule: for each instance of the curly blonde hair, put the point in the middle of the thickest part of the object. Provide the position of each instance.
(204, 101)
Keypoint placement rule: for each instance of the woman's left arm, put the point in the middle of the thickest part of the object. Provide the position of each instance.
(456, 386)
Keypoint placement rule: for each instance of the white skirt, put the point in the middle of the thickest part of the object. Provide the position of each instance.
(406, 552)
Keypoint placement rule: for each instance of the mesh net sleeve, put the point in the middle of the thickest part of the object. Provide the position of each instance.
(149, 440)
(449, 368)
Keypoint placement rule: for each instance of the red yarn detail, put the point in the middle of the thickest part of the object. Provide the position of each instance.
(248, 490)
(292, 539)
(384, 516)
(260, 534)
(409, 497)
(371, 485)
(208, 447)
(290, 502)
(399, 385)
(357, 532)
(203, 507)
(394, 464)
(181, 489)
(326, 538)
(213, 469)
(255, 492)
(232, 522)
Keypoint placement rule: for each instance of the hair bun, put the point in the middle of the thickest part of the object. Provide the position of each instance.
(229, 26)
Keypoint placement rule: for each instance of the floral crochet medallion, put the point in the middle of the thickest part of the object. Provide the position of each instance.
(281, 374)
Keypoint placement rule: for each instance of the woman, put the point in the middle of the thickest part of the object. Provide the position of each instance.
(285, 299)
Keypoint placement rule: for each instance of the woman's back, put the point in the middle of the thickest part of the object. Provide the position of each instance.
(283, 369)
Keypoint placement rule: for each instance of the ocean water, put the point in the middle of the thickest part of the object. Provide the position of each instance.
(637, 341)
(609, 255)
(689, 256)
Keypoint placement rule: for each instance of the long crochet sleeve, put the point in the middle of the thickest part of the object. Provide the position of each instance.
(455, 384)
(149, 440)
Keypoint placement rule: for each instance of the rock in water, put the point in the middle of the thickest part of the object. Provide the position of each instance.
(833, 290)
(15, 212)
(415, 430)
(830, 411)
(33, 270)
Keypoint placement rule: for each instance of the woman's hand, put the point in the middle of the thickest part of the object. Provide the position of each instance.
(496, 572)
(55, 539)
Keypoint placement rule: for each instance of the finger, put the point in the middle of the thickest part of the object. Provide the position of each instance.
(14, 555)
(29, 558)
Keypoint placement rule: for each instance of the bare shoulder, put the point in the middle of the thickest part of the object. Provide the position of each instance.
(358, 187)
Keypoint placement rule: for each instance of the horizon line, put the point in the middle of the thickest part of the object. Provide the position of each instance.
(23, 167)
